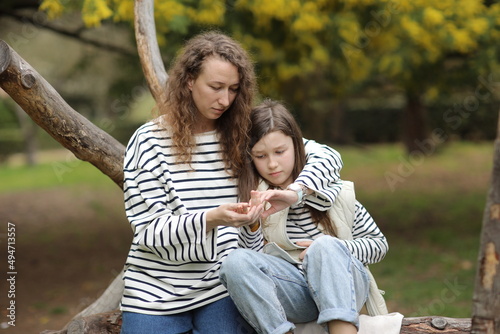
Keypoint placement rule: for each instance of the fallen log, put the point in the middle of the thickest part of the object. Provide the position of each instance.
(101, 323)
(110, 323)
(435, 324)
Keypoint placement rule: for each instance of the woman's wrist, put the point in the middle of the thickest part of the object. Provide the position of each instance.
(209, 220)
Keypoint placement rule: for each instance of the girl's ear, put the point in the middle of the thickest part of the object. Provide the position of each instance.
(190, 84)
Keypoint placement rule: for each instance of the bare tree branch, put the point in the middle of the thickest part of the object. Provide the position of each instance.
(147, 46)
(49, 110)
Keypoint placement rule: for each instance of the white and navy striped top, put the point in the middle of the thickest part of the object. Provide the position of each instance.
(173, 263)
(369, 245)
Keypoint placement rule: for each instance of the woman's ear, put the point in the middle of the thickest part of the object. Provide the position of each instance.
(190, 84)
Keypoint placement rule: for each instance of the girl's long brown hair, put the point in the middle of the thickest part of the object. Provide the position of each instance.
(267, 117)
(178, 109)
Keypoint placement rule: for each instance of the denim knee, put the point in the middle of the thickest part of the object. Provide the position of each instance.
(235, 264)
(327, 245)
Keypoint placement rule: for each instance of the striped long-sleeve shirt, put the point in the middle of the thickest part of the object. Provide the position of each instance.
(173, 263)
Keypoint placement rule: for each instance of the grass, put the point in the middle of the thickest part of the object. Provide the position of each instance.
(432, 217)
(63, 170)
(430, 208)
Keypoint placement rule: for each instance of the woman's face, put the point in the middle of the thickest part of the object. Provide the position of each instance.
(274, 158)
(214, 90)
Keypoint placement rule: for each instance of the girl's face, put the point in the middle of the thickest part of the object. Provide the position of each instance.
(274, 157)
(214, 90)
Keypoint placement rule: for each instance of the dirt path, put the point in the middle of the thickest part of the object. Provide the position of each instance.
(69, 245)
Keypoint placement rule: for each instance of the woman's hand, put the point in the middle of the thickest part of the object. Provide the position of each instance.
(233, 214)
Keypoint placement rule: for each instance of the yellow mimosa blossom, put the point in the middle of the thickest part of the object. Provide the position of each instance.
(468, 8)
(478, 26)
(349, 29)
(124, 10)
(279, 9)
(167, 10)
(53, 8)
(403, 6)
(432, 17)
(411, 28)
(94, 11)
(209, 12)
(462, 41)
(320, 55)
(425, 39)
(308, 22)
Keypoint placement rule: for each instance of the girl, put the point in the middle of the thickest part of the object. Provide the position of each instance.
(319, 276)
(180, 189)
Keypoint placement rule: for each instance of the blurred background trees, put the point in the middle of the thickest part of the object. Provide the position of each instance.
(353, 72)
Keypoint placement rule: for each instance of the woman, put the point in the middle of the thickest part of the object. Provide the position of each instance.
(180, 188)
(313, 265)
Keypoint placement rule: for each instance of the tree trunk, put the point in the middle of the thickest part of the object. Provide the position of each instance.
(48, 109)
(486, 300)
(414, 125)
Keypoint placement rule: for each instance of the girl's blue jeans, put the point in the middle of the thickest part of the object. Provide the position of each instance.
(220, 317)
(273, 294)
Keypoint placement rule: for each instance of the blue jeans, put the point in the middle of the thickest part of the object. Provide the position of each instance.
(273, 294)
(220, 317)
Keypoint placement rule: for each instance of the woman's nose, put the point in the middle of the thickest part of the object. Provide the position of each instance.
(224, 98)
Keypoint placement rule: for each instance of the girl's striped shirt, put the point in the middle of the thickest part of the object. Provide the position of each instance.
(369, 244)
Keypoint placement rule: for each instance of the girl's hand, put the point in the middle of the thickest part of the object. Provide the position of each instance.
(278, 200)
(256, 198)
(303, 243)
(233, 214)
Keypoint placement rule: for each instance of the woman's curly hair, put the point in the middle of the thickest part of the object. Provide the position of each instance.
(178, 109)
